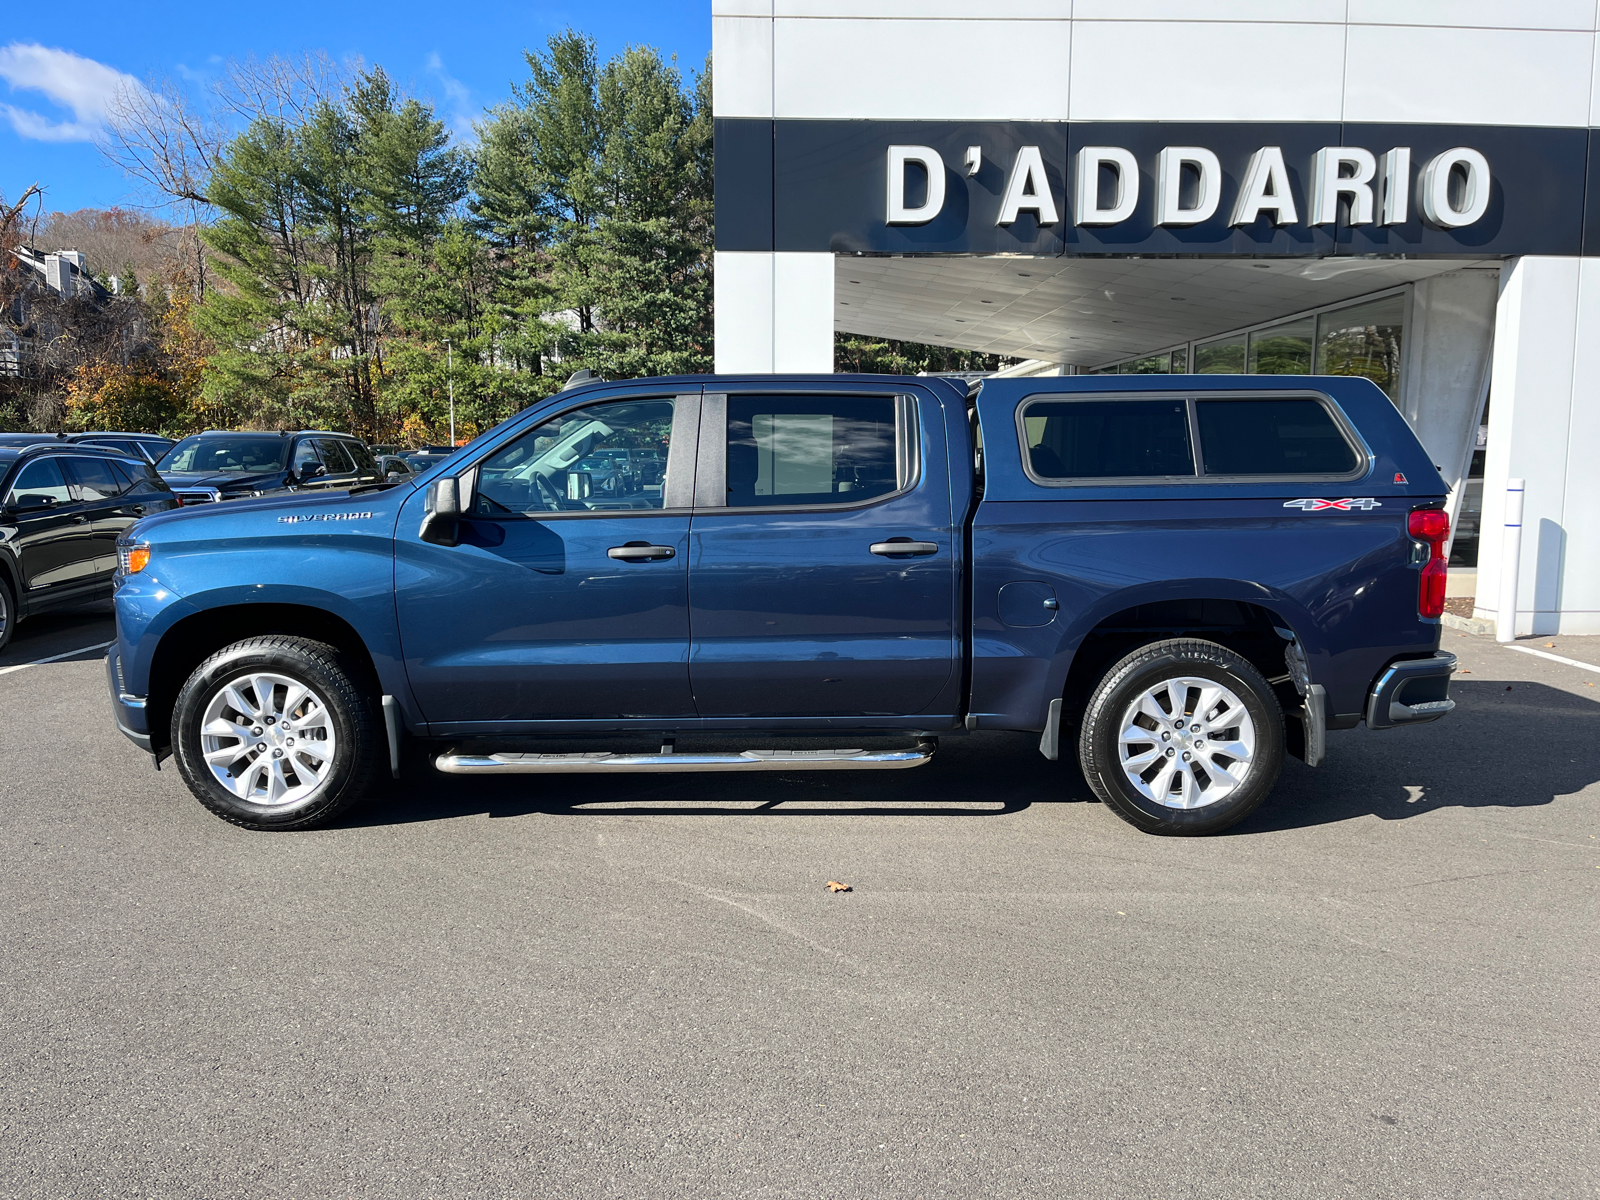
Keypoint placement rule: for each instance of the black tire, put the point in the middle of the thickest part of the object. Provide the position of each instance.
(8, 612)
(1099, 740)
(351, 716)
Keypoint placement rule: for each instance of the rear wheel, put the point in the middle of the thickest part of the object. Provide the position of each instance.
(275, 733)
(1182, 737)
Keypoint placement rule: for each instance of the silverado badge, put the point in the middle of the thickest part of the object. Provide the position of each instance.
(338, 516)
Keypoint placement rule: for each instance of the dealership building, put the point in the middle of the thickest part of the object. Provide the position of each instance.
(1403, 189)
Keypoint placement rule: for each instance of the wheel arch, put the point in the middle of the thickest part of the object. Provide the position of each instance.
(1243, 618)
(190, 640)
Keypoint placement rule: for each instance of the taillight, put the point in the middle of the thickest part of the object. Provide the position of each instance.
(1431, 525)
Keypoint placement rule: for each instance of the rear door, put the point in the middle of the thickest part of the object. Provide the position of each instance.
(822, 581)
(101, 489)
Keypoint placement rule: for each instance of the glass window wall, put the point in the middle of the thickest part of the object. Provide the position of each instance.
(1364, 339)
(1221, 356)
(1283, 349)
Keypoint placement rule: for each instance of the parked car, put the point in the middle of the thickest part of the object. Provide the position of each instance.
(222, 465)
(62, 509)
(394, 467)
(421, 460)
(1184, 578)
(148, 446)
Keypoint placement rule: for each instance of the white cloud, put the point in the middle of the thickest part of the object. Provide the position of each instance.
(41, 129)
(84, 86)
(462, 114)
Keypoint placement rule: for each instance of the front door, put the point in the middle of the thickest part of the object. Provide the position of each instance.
(567, 596)
(823, 573)
(54, 530)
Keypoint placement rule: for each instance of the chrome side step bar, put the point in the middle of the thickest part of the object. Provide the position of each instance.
(454, 763)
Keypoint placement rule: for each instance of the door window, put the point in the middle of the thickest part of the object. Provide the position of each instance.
(794, 450)
(96, 479)
(581, 461)
(362, 455)
(305, 455)
(39, 483)
(337, 457)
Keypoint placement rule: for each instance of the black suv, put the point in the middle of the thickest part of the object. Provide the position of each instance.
(62, 508)
(148, 446)
(218, 465)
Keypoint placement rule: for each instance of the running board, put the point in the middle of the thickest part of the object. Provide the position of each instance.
(454, 763)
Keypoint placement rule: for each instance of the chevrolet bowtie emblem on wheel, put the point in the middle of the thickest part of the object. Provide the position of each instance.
(1365, 503)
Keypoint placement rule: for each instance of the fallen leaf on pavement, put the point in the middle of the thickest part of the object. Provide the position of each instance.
(835, 886)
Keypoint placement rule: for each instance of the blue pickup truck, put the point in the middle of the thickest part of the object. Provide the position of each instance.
(1188, 576)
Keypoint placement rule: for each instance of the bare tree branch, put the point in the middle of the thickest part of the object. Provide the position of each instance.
(283, 89)
(156, 135)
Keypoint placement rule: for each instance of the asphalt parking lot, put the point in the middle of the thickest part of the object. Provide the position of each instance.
(1382, 985)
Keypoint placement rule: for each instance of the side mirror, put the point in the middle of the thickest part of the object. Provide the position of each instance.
(441, 513)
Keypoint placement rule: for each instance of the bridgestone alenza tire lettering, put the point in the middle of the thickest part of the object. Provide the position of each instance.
(274, 732)
(1182, 737)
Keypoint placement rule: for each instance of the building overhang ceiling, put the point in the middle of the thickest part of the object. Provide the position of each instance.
(1088, 311)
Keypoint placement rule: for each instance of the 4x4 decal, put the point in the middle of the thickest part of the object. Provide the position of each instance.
(1365, 503)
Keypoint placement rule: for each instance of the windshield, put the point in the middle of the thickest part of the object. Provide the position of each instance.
(242, 453)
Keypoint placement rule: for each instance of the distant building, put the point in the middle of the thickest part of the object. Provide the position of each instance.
(27, 323)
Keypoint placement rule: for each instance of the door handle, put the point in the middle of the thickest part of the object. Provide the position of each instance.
(79, 519)
(895, 547)
(138, 510)
(640, 552)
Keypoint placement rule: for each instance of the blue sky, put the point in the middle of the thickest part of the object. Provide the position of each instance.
(58, 61)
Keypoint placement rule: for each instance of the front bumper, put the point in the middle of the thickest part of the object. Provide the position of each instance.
(1411, 691)
(128, 711)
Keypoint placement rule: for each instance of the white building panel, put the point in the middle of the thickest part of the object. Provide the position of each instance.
(1480, 14)
(1534, 393)
(743, 311)
(741, 8)
(802, 312)
(1206, 71)
(741, 66)
(1274, 11)
(1468, 76)
(1025, 10)
(910, 70)
(1580, 512)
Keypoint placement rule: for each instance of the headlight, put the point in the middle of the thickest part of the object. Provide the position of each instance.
(133, 559)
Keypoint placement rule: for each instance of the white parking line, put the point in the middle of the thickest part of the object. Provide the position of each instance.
(1571, 662)
(54, 657)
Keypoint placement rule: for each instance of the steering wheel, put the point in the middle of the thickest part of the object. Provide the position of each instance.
(548, 496)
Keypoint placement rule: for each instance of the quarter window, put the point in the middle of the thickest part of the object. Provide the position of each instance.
(790, 450)
(1272, 436)
(1108, 439)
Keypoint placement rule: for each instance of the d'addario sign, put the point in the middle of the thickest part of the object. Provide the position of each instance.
(1378, 191)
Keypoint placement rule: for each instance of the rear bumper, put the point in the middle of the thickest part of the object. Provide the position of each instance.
(126, 710)
(1411, 691)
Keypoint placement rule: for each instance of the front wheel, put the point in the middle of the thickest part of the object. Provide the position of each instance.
(274, 733)
(1182, 737)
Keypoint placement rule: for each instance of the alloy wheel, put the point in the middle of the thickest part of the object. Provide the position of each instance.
(269, 739)
(1187, 742)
